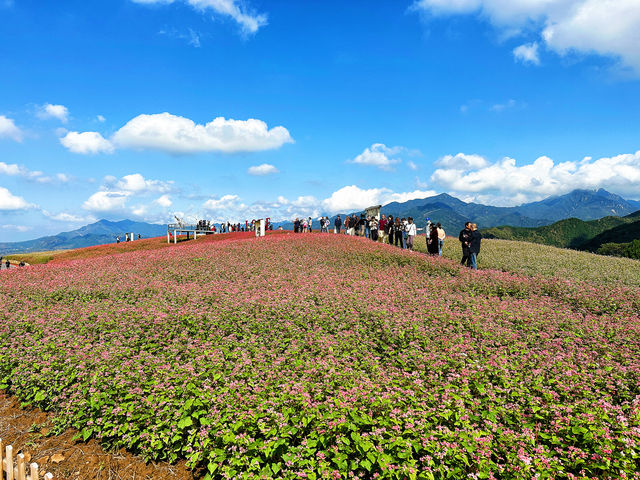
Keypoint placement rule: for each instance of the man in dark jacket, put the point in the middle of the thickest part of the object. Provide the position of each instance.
(474, 249)
(465, 241)
(337, 224)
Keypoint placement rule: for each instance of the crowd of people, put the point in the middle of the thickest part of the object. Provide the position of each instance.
(400, 232)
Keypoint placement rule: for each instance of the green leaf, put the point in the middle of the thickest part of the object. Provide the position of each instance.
(185, 422)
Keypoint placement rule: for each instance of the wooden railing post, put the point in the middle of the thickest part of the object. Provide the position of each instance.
(34, 472)
(9, 455)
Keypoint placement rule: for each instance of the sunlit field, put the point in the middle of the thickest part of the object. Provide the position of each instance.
(321, 356)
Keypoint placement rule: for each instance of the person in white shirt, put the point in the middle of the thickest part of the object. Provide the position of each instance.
(411, 233)
(441, 237)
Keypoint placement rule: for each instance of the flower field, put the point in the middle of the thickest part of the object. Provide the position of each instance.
(321, 356)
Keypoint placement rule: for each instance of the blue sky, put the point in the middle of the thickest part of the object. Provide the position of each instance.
(231, 110)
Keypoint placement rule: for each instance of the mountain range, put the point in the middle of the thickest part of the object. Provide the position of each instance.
(584, 205)
(98, 233)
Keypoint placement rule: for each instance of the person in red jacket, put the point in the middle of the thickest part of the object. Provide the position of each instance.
(381, 231)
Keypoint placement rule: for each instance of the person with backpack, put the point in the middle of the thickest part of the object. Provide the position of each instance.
(465, 242)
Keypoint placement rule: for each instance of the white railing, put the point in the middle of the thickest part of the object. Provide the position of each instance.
(17, 471)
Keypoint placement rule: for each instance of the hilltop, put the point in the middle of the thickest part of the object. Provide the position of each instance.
(293, 354)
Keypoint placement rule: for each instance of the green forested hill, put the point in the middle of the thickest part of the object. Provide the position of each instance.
(625, 233)
(569, 233)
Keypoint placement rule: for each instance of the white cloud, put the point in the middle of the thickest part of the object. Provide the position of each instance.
(603, 27)
(137, 184)
(106, 201)
(506, 183)
(18, 228)
(378, 155)
(461, 161)
(8, 129)
(501, 107)
(179, 135)
(54, 111)
(13, 169)
(67, 217)
(8, 201)
(86, 143)
(413, 166)
(224, 203)
(164, 201)
(249, 21)
(527, 54)
(351, 198)
(261, 170)
(101, 119)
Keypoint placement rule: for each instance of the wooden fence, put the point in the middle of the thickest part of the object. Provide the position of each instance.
(17, 470)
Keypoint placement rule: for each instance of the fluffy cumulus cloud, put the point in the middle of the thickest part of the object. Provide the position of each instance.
(86, 143)
(527, 54)
(9, 201)
(604, 27)
(249, 21)
(379, 155)
(106, 201)
(352, 198)
(261, 170)
(137, 184)
(8, 129)
(59, 112)
(461, 161)
(179, 135)
(164, 201)
(506, 183)
(115, 194)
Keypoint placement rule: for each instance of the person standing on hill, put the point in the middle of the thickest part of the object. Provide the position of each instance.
(382, 233)
(337, 225)
(441, 237)
(405, 233)
(398, 233)
(411, 233)
(474, 248)
(373, 228)
(432, 240)
(465, 242)
(389, 229)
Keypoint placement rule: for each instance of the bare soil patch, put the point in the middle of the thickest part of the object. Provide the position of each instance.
(28, 430)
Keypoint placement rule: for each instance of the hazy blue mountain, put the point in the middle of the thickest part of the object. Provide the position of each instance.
(98, 233)
(582, 204)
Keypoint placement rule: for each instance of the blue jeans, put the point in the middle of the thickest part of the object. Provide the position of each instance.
(404, 240)
(440, 245)
(474, 260)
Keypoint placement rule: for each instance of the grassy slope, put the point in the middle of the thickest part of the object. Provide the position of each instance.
(534, 259)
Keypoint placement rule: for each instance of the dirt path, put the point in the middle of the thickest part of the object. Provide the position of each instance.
(27, 430)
